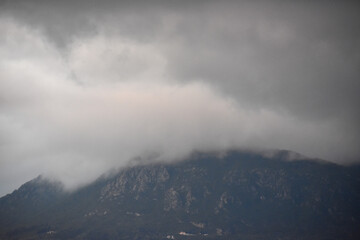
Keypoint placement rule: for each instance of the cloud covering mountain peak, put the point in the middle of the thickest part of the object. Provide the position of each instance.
(79, 98)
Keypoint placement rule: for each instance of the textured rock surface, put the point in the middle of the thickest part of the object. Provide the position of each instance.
(209, 196)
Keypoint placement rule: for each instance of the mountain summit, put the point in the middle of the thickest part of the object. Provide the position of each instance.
(237, 195)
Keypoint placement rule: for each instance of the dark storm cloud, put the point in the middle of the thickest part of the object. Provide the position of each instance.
(87, 85)
(303, 57)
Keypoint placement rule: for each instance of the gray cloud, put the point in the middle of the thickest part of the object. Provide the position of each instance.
(84, 87)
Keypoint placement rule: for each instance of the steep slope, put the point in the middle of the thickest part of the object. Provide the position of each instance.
(209, 196)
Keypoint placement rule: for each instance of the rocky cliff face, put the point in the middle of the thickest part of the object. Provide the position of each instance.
(135, 181)
(236, 196)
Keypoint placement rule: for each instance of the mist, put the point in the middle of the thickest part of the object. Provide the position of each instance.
(83, 90)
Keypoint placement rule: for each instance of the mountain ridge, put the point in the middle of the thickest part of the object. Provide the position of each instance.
(207, 196)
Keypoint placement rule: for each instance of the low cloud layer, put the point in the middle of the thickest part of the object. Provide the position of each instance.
(84, 89)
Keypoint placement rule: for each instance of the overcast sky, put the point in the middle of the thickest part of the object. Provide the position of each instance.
(87, 85)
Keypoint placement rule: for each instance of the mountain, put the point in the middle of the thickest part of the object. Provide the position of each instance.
(236, 195)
